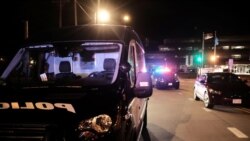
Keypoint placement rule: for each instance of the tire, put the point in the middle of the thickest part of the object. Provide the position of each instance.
(177, 85)
(207, 101)
(145, 120)
(195, 96)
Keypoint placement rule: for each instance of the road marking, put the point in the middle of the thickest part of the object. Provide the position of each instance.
(206, 109)
(180, 93)
(237, 132)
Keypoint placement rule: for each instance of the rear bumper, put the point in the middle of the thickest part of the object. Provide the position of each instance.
(235, 101)
(167, 83)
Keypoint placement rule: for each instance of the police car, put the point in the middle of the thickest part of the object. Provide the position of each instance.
(76, 84)
(165, 77)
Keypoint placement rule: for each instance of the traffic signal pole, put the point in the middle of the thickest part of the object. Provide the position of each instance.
(202, 56)
(215, 37)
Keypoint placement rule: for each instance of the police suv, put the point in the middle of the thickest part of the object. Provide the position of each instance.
(76, 84)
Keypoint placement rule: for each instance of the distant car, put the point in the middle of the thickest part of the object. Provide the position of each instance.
(164, 77)
(221, 88)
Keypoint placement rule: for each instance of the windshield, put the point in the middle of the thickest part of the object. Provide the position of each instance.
(73, 64)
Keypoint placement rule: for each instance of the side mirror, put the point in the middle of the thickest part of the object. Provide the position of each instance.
(143, 87)
(202, 81)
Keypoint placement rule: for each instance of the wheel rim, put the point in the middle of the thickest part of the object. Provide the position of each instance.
(206, 99)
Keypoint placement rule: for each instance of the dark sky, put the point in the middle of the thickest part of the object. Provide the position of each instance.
(191, 18)
(154, 19)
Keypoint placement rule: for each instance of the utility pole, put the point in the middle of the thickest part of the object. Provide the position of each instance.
(75, 12)
(215, 42)
(60, 13)
(26, 30)
(60, 3)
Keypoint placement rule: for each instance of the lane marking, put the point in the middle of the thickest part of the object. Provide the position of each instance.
(206, 109)
(237, 132)
(191, 99)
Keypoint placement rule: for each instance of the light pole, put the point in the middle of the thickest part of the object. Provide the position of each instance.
(97, 12)
(26, 30)
(215, 43)
(202, 54)
(205, 37)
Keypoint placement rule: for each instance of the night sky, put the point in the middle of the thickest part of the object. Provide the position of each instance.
(152, 19)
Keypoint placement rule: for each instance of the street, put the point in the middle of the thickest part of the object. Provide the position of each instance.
(173, 115)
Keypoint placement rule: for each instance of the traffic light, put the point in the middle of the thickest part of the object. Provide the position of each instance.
(198, 58)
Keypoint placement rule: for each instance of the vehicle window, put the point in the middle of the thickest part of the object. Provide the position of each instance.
(132, 62)
(140, 61)
(223, 78)
(234, 78)
(217, 78)
(95, 63)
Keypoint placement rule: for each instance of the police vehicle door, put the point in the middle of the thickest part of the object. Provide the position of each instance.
(137, 106)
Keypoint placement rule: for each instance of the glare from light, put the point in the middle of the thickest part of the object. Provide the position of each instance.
(213, 58)
(163, 70)
(32, 62)
(103, 16)
(126, 18)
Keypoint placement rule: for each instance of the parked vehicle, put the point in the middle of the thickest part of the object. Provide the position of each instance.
(164, 77)
(221, 88)
(76, 84)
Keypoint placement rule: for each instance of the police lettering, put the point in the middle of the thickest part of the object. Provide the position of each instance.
(37, 105)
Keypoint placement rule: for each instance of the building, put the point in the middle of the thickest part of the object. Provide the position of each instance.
(231, 52)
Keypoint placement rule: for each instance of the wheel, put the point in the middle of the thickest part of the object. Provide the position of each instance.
(153, 82)
(145, 120)
(177, 85)
(207, 101)
(195, 96)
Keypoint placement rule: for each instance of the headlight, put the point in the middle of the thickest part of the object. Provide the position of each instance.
(92, 128)
(212, 91)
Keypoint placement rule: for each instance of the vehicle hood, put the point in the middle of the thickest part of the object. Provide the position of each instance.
(230, 89)
(62, 106)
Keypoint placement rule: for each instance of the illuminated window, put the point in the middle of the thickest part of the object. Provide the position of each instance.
(225, 47)
(166, 49)
(238, 47)
(189, 48)
(236, 56)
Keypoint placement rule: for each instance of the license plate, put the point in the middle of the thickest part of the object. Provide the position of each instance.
(170, 84)
(237, 101)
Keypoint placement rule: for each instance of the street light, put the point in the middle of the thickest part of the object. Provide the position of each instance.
(126, 18)
(214, 59)
(103, 16)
